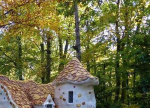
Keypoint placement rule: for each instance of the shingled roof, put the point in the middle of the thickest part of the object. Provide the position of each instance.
(26, 94)
(40, 93)
(74, 72)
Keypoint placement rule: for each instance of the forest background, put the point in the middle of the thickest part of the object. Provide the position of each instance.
(110, 37)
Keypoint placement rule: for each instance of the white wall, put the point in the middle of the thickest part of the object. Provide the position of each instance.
(39, 106)
(86, 92)
(4, 103)
(46, 102)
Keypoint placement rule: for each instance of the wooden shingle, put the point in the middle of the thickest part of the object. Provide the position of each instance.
(26, 94)
(74, 72)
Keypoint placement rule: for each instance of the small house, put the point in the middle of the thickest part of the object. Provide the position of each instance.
(20, 94)
(74, 87)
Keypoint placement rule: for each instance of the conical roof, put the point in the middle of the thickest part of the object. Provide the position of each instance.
(74, 72)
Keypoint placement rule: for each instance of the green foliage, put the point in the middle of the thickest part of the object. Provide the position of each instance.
(100, 41)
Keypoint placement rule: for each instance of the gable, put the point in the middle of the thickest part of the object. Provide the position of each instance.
(25, 94)
(5, 98)
(49, 100)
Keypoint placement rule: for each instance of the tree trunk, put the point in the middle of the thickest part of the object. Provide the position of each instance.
(42, 62)
(60, 54)
(88, 46)
(67, 43)
(135, 68)
(66, 49)
(88, 61)
(134, 77)
(110, 85)
(125, 43)
(95, 66)
(77, 31)
(104, 86)
(48, 67)
(117, 92)
(88, 65)
(19, 63)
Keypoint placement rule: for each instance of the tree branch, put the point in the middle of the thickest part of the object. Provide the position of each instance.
(11, 59)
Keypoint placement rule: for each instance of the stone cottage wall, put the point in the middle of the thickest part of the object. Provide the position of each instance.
(83, 96)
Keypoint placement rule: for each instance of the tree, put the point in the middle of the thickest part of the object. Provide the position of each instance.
(77, 47)
(39, 37)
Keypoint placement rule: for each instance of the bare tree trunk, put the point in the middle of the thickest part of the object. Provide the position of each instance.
(48, 67)
(67, 43)
(66, 49)
(19, 61)
(125, 41)
(117, 92)
(88, 46)
(42, 61)
(77, 31)
(88, 61)
(60, 54)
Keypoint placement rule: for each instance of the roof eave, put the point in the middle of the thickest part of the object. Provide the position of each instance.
(86, 82)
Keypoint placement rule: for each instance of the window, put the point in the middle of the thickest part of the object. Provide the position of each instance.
(70, 97)
(48, 106)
